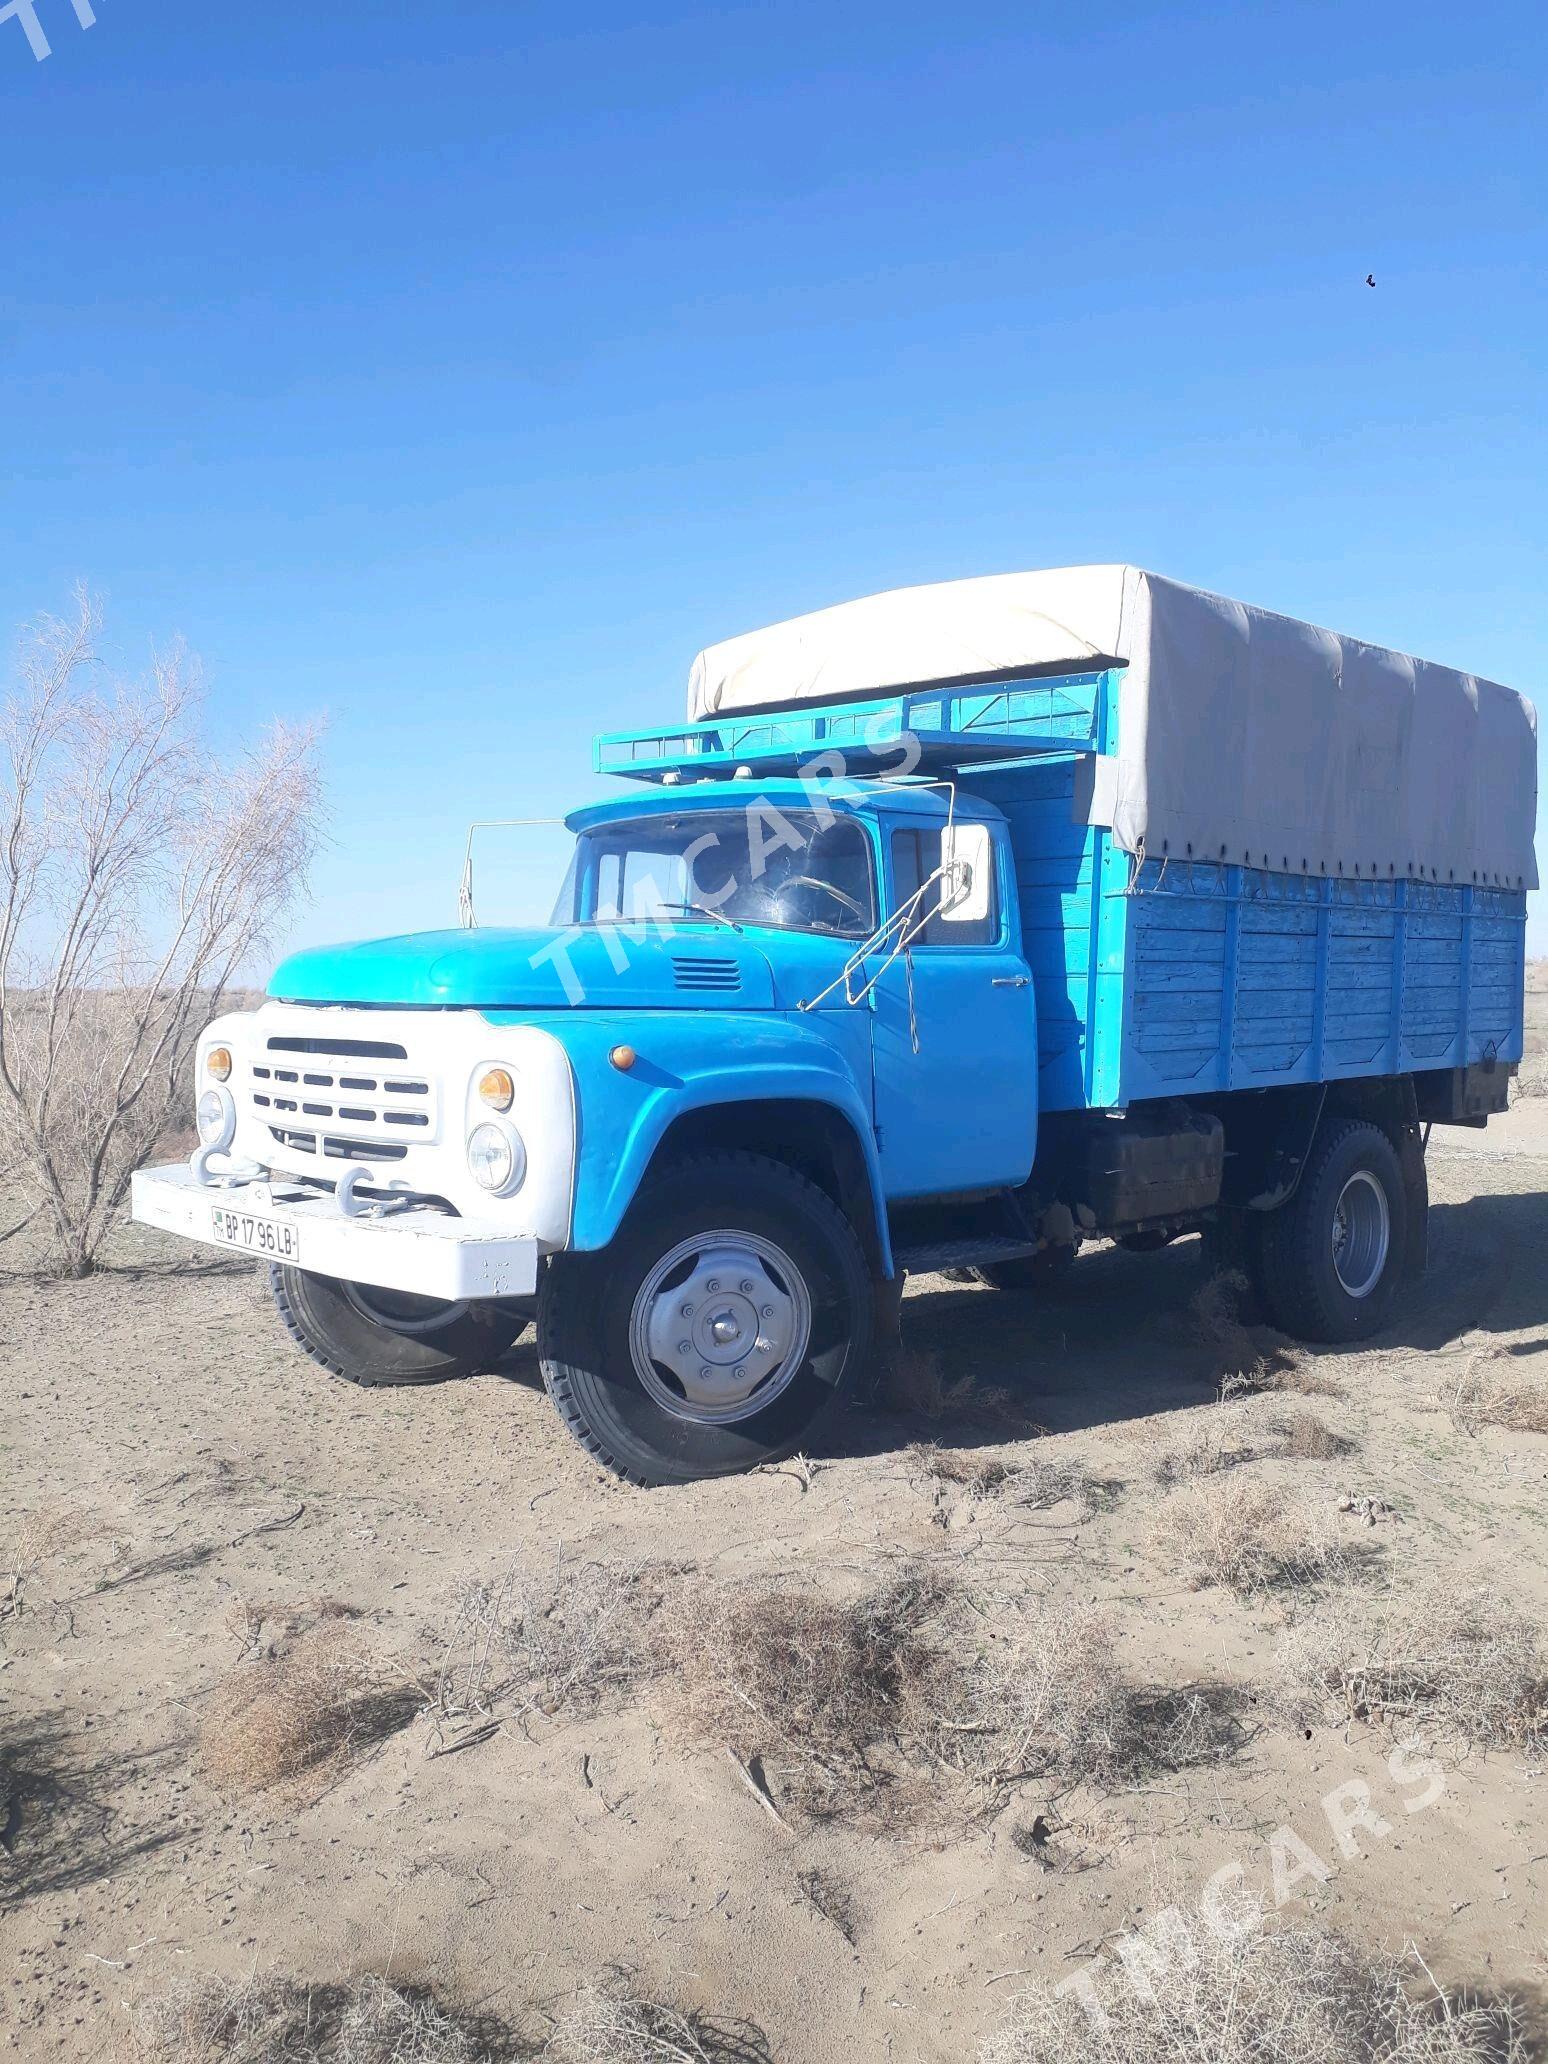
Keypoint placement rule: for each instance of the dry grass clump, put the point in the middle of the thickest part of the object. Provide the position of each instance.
(1244, 1532)
(279, 2021)
(911, 1379)
(1027, 1692)
(1476, 1399)
(1036, 1484)
(303, 1712)
(612, 2027)
(978, 1475)
(1248, 1988)
(1208, 1442)
(831, 1704)
(562, 1640)
(1451, 1660)
(817, 1683)
(1247, 1365)
(1303, 1437)
(38, 1536)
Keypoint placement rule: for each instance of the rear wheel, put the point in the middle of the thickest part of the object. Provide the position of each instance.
(727, 1315)
(1333, 1256)
(378, 1338)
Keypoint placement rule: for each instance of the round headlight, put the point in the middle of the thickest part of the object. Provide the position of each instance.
(216, 1118)
(497, 1160)
(217, 1062)
(496, 1089)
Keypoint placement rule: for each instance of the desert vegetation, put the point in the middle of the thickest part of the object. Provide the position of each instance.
(1454, 1662)
(276, 2020)
(300, 1714)
(1244, 1986)
(1248, 1532)
(139, 876)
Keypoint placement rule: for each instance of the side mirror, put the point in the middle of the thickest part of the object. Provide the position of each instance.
(967, 853)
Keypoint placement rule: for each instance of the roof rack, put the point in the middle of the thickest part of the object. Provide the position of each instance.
(952, 727)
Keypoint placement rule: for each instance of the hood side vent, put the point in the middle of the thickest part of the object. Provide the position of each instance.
(703, 972)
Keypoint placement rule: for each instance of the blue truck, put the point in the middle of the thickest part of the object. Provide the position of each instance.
(953, 928)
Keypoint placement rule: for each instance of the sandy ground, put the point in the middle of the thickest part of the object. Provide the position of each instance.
(179, 1459)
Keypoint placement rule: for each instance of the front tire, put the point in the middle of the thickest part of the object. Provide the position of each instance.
(730, 1312)
(1332, 1258)
(380, 1338)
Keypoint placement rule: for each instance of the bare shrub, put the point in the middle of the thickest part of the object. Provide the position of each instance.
(978, 1475)
(913, 1380)
(1036, 1484)
(304, 1712)
(1025, 1691)
(816, 1682)
(1448, 1659)
(1288, 1373)
(842, 1698)
(1478, 1399)
(613, 2027)
(138, 874)
(1247, 1364)
(38, 1535)
(1247, 1987)
(1303, 1437)
(280, 2021)
(1208, 1442)
(556, 1640)
(1244, 1532)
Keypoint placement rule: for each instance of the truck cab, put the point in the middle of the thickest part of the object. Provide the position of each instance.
(835, 991)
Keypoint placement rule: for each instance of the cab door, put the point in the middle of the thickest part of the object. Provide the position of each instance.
(954, 1037)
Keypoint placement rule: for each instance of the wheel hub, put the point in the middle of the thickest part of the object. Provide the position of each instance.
(719, 1326)
(1362, 1234)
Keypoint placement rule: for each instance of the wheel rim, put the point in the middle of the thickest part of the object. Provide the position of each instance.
(402, 1311)
(1362, 1233)
(720, 1327)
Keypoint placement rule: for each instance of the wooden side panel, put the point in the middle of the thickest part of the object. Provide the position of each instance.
(1238, 978)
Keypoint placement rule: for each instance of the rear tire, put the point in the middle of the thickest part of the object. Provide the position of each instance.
(638, 1380)
(1333, 1256)
(380, 1338)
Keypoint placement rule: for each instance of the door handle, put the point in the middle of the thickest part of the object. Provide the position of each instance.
(1009, 981)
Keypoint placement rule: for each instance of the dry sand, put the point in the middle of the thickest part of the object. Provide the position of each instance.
(178, 1478)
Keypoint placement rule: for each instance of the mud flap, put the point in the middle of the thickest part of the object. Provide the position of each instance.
(1416, 1188)
(887, 1337)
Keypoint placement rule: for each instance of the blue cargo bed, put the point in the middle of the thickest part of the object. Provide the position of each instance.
(1160, 976)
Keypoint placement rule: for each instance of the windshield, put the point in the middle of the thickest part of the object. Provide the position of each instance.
(759, 866)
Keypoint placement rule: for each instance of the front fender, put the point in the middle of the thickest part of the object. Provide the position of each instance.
(685, 1062)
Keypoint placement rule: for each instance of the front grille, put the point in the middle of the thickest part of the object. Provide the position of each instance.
(342, 1099)
(701, 971)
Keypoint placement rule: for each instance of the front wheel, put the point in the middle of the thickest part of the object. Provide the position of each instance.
(728, 1314)
(379, 1338)
(1332, 1258)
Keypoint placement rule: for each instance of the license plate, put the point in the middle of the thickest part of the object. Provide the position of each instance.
(255, 1234)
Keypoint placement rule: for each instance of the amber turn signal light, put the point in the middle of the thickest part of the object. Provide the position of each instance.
(497, 1090)
(217, 1062)
(623, 1058)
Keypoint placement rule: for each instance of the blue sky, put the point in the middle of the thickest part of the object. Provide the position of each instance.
(456, 373)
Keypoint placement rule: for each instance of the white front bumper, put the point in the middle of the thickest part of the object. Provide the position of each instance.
(420, 1250)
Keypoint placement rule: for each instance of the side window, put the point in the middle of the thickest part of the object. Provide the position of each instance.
(962, 909)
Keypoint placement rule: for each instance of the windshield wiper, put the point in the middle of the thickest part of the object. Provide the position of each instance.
(703, 910)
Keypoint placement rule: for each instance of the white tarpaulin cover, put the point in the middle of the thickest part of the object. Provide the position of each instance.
(1241, 733)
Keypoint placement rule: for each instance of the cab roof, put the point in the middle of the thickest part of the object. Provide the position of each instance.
(856, 798)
